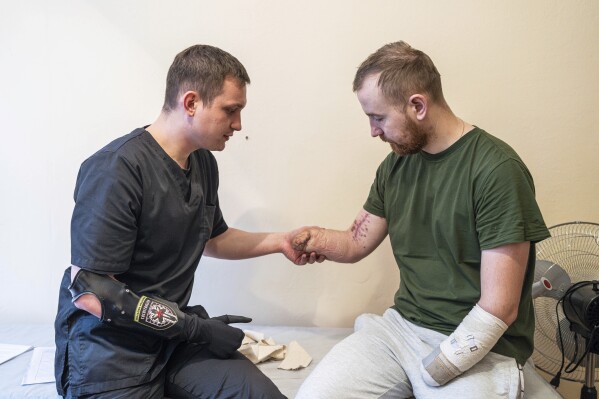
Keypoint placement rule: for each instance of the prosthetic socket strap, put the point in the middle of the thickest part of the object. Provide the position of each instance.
(467, 345)
(123, 308)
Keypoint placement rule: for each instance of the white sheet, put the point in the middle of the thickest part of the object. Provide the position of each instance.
(13, 371)
(41, 366)
(9, 351)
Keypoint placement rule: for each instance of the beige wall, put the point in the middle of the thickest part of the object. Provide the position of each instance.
(76, 74)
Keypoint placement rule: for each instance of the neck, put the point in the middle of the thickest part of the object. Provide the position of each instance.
(446, 129)
(169, 137)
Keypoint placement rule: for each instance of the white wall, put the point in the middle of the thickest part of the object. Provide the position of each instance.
(76, 74)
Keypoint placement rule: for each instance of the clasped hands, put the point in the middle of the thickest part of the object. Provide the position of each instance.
(301, 246)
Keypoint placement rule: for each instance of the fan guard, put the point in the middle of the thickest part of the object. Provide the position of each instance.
(575, 247)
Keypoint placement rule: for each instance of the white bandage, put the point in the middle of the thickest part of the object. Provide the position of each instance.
(466, 346)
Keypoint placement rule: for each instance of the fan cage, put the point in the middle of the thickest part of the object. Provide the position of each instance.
(575, 247)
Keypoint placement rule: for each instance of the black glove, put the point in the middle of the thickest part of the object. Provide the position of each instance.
(229, 319)
(201, 312)
(221, 339)
(197, 310)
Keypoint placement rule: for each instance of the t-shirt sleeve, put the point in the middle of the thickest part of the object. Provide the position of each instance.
(506, 209)
(219, 225)
(375, 203)
(107, 204)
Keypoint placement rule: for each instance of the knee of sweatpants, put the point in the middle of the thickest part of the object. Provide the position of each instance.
(366, 319)
(372, 321)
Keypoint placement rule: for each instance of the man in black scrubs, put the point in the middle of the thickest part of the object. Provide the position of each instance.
(146, 209)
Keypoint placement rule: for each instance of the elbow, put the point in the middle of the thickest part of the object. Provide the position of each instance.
(210, 249)
(353, 251)
(359, 251)
(510, 317)
(354, 258)
(343, 253)
(507, 314)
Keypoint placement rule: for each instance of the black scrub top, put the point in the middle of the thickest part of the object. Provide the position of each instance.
(137, 215)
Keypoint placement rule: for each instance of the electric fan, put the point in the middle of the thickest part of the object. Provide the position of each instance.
(566, 304)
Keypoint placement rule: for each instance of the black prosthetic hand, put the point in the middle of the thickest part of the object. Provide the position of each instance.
(221, 339)
(197, 310)
(123, 308)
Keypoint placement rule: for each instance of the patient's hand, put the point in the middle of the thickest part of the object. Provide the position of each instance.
(310, 239)
(298, 242)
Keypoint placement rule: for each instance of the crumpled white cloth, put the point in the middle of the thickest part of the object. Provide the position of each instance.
(256, 347)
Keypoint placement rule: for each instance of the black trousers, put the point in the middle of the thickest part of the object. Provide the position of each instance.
(193, 372)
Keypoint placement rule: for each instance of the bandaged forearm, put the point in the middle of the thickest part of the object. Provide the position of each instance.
(466, 346)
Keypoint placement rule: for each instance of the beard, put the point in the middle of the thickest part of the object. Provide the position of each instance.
(416, 139)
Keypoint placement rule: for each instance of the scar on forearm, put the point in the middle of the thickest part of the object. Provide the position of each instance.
(359, 228)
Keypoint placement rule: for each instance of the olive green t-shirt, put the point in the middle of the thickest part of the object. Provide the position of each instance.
(442, 210)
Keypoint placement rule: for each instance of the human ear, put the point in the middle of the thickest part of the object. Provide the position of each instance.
(191, 101)
(419, 105)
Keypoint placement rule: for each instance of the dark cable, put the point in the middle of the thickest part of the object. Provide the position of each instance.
(586, 352)
(556, 379)
(575, 355)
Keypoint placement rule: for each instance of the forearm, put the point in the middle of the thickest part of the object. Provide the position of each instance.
(348, 246)
(239, 244)
(88, 302)
(335, 245)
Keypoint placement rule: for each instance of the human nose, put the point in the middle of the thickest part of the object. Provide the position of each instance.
(375, 131)
(236, 123)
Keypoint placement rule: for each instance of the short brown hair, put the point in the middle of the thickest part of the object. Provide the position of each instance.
(403, 71)
(201, 68)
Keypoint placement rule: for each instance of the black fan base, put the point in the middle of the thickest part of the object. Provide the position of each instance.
(588, 392)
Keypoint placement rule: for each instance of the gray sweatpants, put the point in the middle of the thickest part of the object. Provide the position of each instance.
(381, 359)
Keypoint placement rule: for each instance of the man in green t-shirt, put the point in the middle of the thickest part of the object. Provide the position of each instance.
(458, 205)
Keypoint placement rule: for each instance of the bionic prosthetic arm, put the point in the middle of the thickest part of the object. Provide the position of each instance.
(122, 307)
(466, 346)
